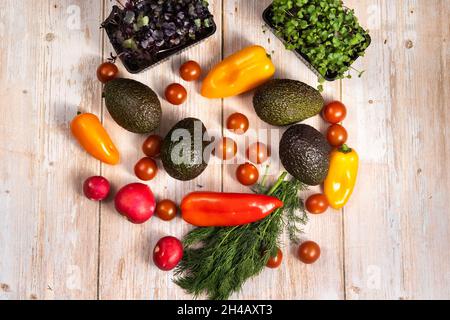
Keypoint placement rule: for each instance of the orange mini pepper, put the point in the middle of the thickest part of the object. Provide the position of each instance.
(239, 73)
(92, 136)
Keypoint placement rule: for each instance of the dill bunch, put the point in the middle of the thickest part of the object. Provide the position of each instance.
(217, 261)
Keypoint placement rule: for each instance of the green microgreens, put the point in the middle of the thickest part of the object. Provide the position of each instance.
(325, 31)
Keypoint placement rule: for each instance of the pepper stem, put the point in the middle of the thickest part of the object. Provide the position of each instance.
(345, 149)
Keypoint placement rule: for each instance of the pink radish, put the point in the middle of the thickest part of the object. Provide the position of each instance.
(168, 253)
(136, 202)
(96, 188)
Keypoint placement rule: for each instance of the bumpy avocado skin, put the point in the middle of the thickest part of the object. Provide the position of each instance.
(133, 105)
(185, 171)
(282, 102)
(305, 153)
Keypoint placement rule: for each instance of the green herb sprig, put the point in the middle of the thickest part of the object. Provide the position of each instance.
(325, 31)
(218, 261)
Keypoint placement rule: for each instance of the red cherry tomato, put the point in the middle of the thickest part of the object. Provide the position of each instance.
(238, 123)
(247, 174)
(107, 71)
(317, 204)
(146, 169)
(226, 149)
(309, 252)
(166, 210)
(258, 153)
(176, 94)
(275, 262)
(334, 112)
(152, 146)
(190, 71)
(336, 135)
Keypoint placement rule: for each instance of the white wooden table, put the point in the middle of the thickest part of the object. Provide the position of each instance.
(391, 241)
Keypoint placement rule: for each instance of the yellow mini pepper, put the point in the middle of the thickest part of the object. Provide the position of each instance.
(341, 177)
(239, 73)
(92, 136)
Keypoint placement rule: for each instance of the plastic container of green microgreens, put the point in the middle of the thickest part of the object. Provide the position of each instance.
(329, 76)
(148, 32)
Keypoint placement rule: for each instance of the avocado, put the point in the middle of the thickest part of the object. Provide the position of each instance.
(133, 105)
(183, 148)
(304, 153)
(282, 102)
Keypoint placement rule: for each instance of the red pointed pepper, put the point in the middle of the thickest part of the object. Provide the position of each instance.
(211, 209)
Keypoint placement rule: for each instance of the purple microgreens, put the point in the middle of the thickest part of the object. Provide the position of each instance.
(142, 29)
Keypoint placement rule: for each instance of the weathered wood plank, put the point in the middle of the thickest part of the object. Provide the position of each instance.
(397, 223)
(243, 26)
(127, 270)
(49, 232)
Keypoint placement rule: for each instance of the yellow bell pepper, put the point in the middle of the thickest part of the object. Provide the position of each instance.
(239, 73)
(341, 179)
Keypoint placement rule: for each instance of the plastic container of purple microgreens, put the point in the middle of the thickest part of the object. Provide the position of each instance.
(147, 32)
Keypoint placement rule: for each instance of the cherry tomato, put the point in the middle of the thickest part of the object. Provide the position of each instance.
(238, 123)
(334, 112)
(166, 210)
(176, 94)
(258, 153)
(152, 146)
(190, 71)
(317, 203)
(146, 169)
(275, 262)
(309, 252)
(247, 174)
(107, 71)
(226, 149)
(336, 135)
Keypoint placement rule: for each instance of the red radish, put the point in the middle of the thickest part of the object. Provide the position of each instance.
(96, 188)
(136, 202)
(168, 253)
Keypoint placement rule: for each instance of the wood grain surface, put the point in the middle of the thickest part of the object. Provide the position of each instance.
(392, 241)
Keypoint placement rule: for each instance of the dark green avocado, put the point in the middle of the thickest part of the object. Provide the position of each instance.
(304, 153)
(183, 148)
(133, 105)
(282, 102)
